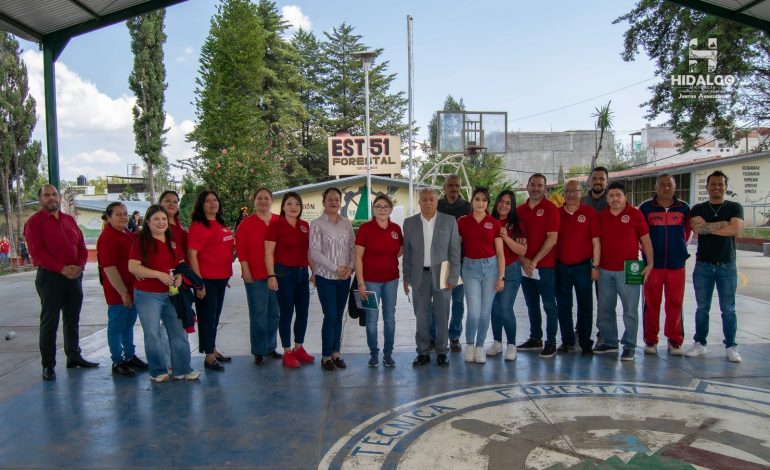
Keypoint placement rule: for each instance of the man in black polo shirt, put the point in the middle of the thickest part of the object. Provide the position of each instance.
(717, 222)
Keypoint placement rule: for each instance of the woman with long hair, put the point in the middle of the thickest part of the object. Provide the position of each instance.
(210, 247)
(331, 250)
(483, 271)
(263, 302)
(169, 200)
(153, 258)
(513, 237)
(112, 249)
(287, 243)
(379, 244)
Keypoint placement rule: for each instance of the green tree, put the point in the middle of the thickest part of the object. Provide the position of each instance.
(148, 82)
(603, 118)
(664, 30)
(19, 155)
(235, 138)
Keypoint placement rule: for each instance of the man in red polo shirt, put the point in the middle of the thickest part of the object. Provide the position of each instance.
(541, 221)
(59, 250)
(578, 253)
(622, 229)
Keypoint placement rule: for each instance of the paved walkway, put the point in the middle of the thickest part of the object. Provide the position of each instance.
(531, 413)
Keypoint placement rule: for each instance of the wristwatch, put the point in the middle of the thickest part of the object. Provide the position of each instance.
(593, 266)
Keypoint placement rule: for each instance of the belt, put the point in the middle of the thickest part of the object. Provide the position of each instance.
(426, 268)
(586, 261)
(715, 263)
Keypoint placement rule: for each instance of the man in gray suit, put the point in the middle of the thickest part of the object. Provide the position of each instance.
(430, 238)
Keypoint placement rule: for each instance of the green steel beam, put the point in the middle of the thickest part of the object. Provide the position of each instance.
(726, 13)
(51, 52)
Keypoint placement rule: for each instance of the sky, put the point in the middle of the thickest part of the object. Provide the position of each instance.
(548, 67)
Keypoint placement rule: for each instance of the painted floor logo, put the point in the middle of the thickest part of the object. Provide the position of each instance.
(567, 424)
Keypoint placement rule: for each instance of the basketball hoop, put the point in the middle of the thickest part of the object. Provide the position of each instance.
(475, 153)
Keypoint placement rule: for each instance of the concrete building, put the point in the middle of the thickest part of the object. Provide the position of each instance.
(543, 152)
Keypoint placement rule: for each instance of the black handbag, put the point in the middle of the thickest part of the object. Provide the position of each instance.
(353, 309)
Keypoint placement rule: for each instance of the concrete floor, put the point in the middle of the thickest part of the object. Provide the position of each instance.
(657, 412)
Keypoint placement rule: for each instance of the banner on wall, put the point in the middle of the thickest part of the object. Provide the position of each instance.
(347, 155)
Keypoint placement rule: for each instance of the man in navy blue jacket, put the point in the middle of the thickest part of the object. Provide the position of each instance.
(668, 219)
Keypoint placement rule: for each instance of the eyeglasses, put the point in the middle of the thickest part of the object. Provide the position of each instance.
(382, 208)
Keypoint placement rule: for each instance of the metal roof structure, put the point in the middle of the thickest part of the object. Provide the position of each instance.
(52, 23)
(755, 13)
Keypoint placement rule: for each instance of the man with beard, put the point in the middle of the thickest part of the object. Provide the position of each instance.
(597, 196)
(59, 251)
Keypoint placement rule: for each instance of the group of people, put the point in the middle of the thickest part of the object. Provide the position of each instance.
(455, 253)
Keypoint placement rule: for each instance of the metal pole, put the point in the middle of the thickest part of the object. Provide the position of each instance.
(410, 78)
(51, 136)
(368, 156)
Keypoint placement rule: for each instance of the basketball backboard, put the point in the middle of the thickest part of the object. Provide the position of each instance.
(457, 130)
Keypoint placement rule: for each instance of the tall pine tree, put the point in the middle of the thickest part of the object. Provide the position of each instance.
(148, 82)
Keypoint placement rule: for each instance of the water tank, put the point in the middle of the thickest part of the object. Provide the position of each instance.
(82, 180)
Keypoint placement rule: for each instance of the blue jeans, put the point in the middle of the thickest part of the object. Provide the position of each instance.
(502, 307)
(293, 296)
(534, 290)
(611, 286)
(387, 292)
(456, 318)
(577, 277)
(120, 332)
(725, 278)
(3, 258)
(333, 294)
(479, 278)
(263, 316)
(152, 307)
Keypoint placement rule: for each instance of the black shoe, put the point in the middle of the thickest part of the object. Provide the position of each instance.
(259, 360)
(275, 354)
(627, 355)
(603, 348)
(80, 362)
(549, 350)
(421, 360)
(49, 374)
(442, 360)
(136, 363)
(566, 348)
(387, 359)
(221, 358)
(432, 345)
(454, 346)
(215, 365)
(122, 368)
(531, 344)
(587, 352)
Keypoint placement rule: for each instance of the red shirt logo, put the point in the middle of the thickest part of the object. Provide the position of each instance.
(540, 212)
(581, 219)
(394, 235)
(625, 219)
(488, 225)
(173, 246)
(303, 229)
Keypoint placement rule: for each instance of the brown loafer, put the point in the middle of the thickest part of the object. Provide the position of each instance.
(328, 365)
(339, 363)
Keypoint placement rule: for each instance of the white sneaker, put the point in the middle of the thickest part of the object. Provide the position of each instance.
(159, 378)
(732, 354)
(479, 356)
(651, 349)
(469, 353)
(675, 350)
(194, 375)
(495, 349)
(510, 352)
(696, 349)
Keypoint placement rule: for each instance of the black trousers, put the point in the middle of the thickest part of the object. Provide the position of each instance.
(58, 294)
(208, 310)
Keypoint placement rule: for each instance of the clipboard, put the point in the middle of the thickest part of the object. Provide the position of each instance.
(369, 304)
(443, 278)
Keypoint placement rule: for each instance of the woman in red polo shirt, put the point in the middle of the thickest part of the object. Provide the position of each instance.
(287, 245)
(263, 303)
(169, 200)
(153, 259)
(379, 243)
(483, 271)
(112, 250)
(210, 247)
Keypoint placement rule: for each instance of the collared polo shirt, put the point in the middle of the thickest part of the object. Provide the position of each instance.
(215, 246)
(291, 243)
(159, 258)
(620, 236)
(538, 222)
(381, 247)
(112, 249)
(576, 234)
(478, 238)
(250, 244)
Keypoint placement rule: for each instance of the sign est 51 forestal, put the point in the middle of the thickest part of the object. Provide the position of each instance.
(347, 154)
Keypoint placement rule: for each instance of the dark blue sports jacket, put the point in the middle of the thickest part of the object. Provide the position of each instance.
(669, 232)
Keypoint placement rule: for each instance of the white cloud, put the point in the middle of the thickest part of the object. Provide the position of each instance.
(187, 54)
(97, 156)
(294, 16)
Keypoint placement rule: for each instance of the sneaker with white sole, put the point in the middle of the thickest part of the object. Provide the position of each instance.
(510, 352)
(732, 354)
(495, 349)
(479, 356)
(651, 349)
(159, 378)
(695, 350)
(470, 352)
(194, 375)
(675, 350)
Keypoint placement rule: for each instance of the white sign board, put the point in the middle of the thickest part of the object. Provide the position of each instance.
(347, 155)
